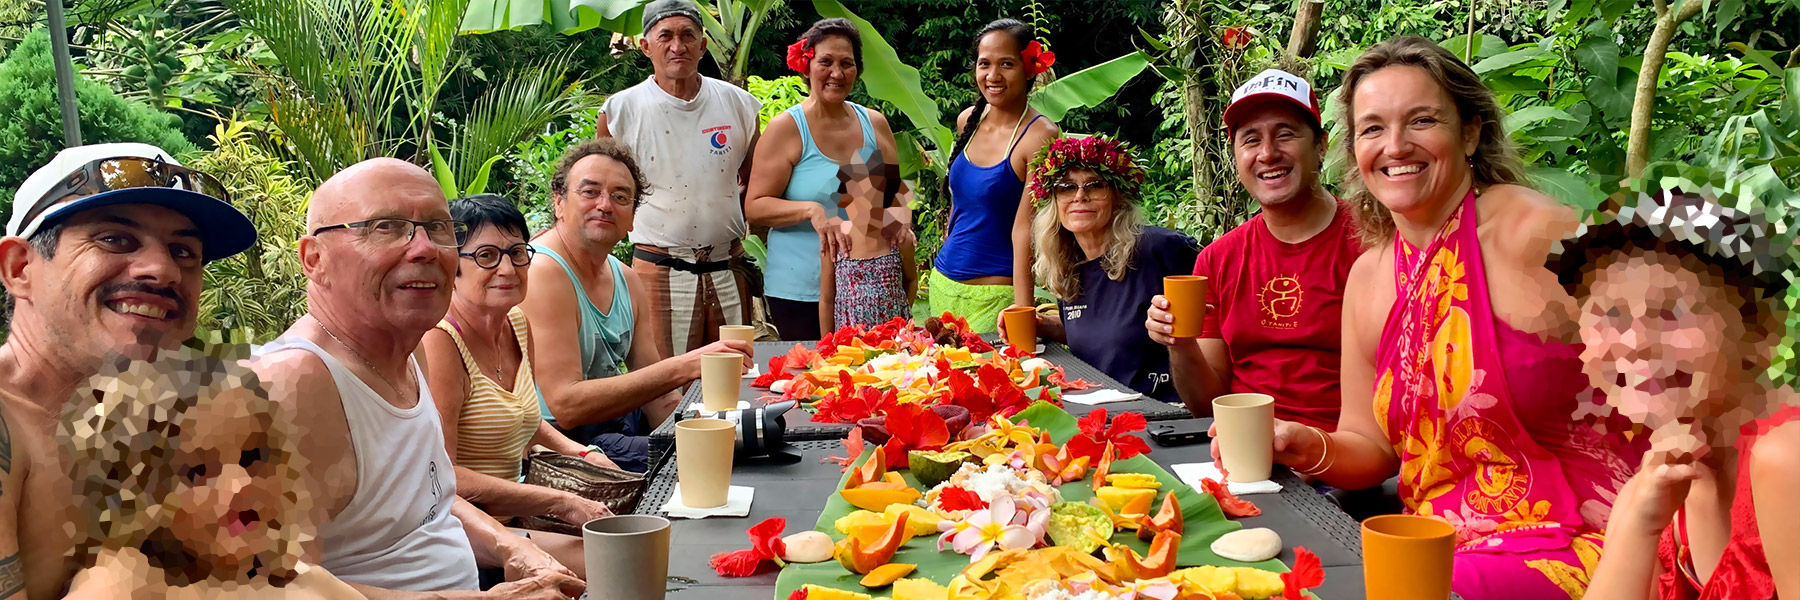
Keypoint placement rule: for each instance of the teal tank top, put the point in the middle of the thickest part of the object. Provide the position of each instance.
(793, 266)
(605, 339)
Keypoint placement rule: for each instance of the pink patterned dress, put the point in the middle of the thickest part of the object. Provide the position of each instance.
(1483, 419)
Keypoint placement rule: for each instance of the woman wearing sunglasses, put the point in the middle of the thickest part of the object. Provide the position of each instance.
(481, 379)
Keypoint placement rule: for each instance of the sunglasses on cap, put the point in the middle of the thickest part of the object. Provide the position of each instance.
(122, 173)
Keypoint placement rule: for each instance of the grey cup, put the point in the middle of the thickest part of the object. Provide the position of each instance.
(628, 556)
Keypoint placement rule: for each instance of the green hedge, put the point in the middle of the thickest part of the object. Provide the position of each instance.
(31, 120)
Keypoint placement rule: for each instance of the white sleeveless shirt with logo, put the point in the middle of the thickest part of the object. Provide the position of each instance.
(690, 151)
(397, 532)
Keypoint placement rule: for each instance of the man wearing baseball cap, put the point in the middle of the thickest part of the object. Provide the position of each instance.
(104, 253)
(1276, 283)
(693, 136)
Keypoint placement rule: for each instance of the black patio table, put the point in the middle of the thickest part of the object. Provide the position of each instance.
(801, 427)
(798, 492)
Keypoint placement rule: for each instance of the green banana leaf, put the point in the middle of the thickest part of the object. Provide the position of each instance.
(566, 16)
(1204, 521)
(895, 82)
(1088, 87)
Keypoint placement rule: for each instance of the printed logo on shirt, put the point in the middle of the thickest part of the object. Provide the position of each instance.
(721, 143)
(1071, 313)
(437, 489)
(1281, 298)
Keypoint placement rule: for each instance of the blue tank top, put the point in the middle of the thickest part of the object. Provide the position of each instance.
(793, 268)
(983, 203)
(604, 338)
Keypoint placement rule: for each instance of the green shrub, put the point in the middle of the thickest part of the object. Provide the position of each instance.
(31, 121)
(261, 290)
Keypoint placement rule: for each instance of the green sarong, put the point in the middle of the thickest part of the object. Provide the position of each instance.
(980, 304)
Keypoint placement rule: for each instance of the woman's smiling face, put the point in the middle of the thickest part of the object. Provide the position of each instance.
(1412, 147)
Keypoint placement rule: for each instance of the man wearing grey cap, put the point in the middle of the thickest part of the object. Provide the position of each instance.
(693, 136)
(104, 253)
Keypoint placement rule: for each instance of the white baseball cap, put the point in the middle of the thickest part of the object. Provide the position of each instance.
(1271, 86)
(225, 229)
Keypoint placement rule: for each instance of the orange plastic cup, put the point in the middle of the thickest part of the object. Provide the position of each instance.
(1021, 327)
(1187, 301)
(1407, 557)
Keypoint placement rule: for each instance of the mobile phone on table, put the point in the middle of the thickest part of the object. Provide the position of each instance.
(1180, 433)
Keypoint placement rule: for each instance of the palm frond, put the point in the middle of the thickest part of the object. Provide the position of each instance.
(526, 100)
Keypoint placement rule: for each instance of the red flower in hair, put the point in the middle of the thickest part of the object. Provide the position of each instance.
(799, 56)
(1037, 59)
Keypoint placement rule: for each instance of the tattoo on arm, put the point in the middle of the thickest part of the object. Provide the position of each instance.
(12, 576)
(5, 444)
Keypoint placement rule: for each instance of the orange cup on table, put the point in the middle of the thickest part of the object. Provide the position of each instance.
(1187, 302)
(1021, 328)
(1407, 557)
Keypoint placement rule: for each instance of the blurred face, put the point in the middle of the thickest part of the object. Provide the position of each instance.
(600, 201)
(1663, 340)
(674, 45)
(227, 491)
(834, 69)
(1084, 202)
(1278, 154)
(501, 287)
(379, 281)
(1411, 148)
(999, 70)
(124, 277)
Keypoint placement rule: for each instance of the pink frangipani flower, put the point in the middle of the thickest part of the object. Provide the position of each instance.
(990, 528)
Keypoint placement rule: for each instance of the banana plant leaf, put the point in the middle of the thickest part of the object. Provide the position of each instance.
(1205, 522)
(1088, 87)
(565, 16)
(895, 82)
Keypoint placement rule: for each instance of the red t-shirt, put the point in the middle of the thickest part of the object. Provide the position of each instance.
(1279, 309)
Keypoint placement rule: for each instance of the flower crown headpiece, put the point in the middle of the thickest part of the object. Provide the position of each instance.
(1111, 159)
(800, 55)
(1037, 59)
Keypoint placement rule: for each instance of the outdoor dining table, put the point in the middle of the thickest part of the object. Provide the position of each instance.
(801, 427)
(797, 491)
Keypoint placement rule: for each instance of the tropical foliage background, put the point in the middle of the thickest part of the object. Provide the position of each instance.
(272, 95)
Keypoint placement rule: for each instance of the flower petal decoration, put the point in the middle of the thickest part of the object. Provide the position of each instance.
(1037, 59)
(955, 498)
(1233, 506)
(913, 427)
(765, 545)
(853, 444)
(1307, 574)
(1096, 434)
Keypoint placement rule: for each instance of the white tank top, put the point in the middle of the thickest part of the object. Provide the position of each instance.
(397, 532)
(690, 151)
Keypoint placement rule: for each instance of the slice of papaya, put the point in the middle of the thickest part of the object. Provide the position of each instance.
(885, 575)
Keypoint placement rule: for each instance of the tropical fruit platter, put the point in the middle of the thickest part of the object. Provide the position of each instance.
(1036, 505)
(939, 366)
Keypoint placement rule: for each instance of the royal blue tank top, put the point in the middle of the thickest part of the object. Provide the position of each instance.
(983, 203)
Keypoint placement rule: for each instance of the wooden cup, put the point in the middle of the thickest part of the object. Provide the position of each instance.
(1246, 432)
(743, 333)
(721, 374)
(703, 450)
(1187, 301)
(1407, 557)
(1021, 328)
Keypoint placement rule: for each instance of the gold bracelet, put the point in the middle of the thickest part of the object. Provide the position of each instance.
(1324, 453)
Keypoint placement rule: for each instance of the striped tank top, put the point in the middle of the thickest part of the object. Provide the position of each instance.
(495, 424)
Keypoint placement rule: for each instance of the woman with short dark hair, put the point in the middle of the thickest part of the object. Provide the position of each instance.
(481, 379)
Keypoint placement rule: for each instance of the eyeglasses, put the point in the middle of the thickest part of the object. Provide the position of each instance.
(109, 174)
(488, 256)
(1068, 191)
(443, 232)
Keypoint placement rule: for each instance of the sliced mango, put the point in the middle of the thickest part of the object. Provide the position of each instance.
(920, 589)
(814, 592)
(855, 519)
(922, 521)
(880, 499)
(887, 574)
(1127, 501)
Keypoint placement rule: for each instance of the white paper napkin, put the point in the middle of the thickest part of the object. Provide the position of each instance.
(755, 372)
(1101, 396)
(1192, 473)
(737, 504)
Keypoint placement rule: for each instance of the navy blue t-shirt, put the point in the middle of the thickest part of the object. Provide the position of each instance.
(1105, 323)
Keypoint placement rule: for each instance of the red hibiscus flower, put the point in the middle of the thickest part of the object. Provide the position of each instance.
(1233, 506)
(1095, 434)
(1037, 59)
(1007, 398)
(964, 393)
(765, 545)
(1306, 574)
(854, 445)
(799, 594)
(799, 56)
(957, 498)
(1236, 38)
(850, 403)
(913, 427)
(777, 372)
